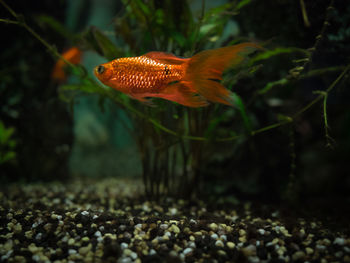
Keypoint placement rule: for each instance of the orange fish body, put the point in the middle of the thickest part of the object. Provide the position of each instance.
(73, 55)
(191, 81)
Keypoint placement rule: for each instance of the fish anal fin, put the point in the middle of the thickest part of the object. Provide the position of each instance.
(181, 94)
(143, 99)
(167, 58)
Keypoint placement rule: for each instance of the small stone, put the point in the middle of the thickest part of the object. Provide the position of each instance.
(98, 234)
(173, 211)
(261, 231)
(85, 239)
(71, 241)
(163, 226)
(298, 255)
(152, 252)
(249, 251)
(17, 228)
(219, 243)
(213, 226)
(124, 245)
(214, 236)
(230, 245)
(339, 241)
(85, 213)
(339, 254)
(221, 253)
(175, 229)
(309, 250)
(72, 251)
(28, 234)
(254, 259)
(320, 247)
(133, 255)
(223, 237)
(242, 232)
(187, 251)
(192, 244)
(33, 248)
(127, 252)
(84, 250)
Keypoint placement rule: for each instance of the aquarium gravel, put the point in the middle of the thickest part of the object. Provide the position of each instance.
(108, 221)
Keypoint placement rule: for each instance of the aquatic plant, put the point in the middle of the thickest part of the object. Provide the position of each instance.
(7, 144)
(176, 143)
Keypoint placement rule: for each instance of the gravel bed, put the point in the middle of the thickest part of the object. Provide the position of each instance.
(107, 221)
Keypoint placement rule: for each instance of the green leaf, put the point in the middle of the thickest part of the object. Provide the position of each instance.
(238, 102)
(56, 26)
(272, 84)
(101, 44)
(241, 4)
(277, 51)
(8, 156)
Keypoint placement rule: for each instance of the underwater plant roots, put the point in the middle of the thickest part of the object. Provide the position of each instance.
(108, 221)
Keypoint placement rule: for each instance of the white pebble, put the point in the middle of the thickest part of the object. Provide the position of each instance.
(98, 234)
(214, 236)
(173, 211)
(219, 243)
(72, 251)
(261, 231)
(254, 259)
(192, 244)
(321, 247)
(339, 241)
(36, 257)
(133, 255)
(193, 221)
(167, 233)
(38, 236)
(85, 213)
(124, 245)
(163, 226)
(99, 239)
(125, 260)
(187, 251)
(139, 226)
(94, 217)
(223, 237)
(101, 228)
(152, 252)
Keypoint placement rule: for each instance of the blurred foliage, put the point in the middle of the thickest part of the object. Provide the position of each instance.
(214, 149)
(7, 144)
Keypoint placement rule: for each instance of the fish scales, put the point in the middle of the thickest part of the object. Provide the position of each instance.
(143, 74)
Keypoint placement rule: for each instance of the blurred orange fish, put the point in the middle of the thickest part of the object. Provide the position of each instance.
(191, 81)
(73, 55)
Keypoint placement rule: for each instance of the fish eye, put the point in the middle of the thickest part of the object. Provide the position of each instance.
(100, 69)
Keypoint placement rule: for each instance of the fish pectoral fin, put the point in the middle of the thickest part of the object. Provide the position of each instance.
(167, 58)
(181, 94)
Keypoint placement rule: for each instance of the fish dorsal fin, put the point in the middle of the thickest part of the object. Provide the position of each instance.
(166, 57)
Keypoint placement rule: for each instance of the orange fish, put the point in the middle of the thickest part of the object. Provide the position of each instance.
(73, 55)
(191, 81)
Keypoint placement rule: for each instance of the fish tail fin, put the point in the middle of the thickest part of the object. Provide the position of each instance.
(205, 69)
